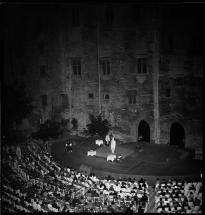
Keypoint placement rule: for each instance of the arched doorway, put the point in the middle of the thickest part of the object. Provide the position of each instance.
(177, 135)
(143, 131)
(74, 122)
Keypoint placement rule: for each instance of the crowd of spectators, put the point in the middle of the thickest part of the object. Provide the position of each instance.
(33, 182)
(178, 196)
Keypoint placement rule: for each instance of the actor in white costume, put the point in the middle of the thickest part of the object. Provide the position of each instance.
(107, 139)
(113, 145)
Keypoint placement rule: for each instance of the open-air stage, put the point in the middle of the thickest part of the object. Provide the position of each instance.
(104, 151)
(138, 160)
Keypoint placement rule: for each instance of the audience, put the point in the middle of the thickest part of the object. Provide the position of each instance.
(34, 182)
(178, 196)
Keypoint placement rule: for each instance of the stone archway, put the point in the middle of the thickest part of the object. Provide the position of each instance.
(74, 122)
(143, 131)
(177, 135)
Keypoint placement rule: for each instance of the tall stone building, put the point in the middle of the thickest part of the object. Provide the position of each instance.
(138, 65)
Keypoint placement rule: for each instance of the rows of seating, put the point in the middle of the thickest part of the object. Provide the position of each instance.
(34, 182)
(178, 196)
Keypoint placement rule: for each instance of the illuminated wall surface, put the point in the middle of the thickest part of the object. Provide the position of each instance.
(144, 61)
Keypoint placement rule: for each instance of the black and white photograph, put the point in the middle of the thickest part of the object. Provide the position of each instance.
(102, 107)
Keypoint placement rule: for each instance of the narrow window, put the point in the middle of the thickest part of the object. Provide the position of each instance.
(44, 101)
(41, 48)
(38, 25)
(168, 92)
(109, 15)
(142, 65)
(132, 99)
(139, 66)
(76, 64)
(105, 66)
(75, 17)
(180, 82)
(64, 101)
(137, 13)
(170, 41)
(90, 96)
(132, 96)
(42, 71)
(23, 69)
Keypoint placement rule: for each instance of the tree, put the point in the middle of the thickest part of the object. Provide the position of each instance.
(97, 126)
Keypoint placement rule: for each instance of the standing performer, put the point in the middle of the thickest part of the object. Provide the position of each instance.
(113, 145)
(111, 136)
(107, 139)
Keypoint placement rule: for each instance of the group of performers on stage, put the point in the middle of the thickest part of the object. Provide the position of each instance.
(110, 140)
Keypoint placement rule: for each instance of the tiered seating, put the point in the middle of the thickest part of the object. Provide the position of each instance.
(120, 194)
(177, 196)
(34, 182)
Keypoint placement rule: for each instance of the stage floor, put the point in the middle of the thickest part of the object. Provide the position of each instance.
(152, 159)
(104, 151)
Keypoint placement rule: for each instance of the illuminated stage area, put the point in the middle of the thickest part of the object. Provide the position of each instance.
(104, 151)
(140, 159)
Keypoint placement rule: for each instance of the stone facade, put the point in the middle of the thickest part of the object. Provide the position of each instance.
(128, 47)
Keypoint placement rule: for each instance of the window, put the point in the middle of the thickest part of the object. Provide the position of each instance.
(109, 15)
(75, 17)
(168, 92)
(142, 65)
(132, 99)
(137, 13)
(164, 63)
(90, 96)
(23, 69)
(76, 64)
(180, 82)
(195, 43)
(64, 100)
(41, 48)
(188, 64)
(38, 25)
(105, 66)
(132, 96)
(43, 71)
(44, 101)
(170, 41)
(106, 96)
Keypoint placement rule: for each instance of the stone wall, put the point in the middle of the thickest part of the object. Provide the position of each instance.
(131, 36)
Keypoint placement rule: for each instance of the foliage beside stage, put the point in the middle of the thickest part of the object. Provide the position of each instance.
(50, 130)
(97, 127)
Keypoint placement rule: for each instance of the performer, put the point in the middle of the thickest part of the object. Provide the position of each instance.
(113, 145)
(107, 139)
(69, 145)
(111, 136)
